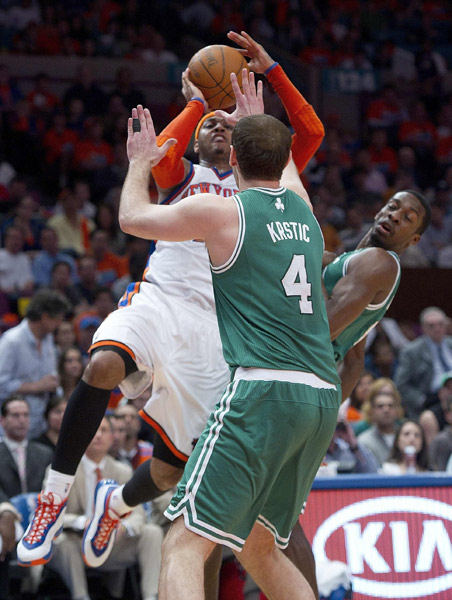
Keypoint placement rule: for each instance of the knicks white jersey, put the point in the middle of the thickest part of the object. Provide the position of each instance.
(182, 268)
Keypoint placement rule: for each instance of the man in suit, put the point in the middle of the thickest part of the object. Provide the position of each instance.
(424, 361)
(23, 464)
(23, 461)
(136, 541)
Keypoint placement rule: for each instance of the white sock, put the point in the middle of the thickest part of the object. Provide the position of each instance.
(117, 502)
(59, 483)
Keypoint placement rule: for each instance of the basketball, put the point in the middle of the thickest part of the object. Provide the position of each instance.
(210, 70)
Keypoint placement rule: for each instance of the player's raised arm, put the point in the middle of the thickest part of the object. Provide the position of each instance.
(309, 131)
(192, 218)
(172, 170)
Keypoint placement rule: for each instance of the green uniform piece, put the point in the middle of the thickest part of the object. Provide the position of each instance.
(370, 316)
(263, 444)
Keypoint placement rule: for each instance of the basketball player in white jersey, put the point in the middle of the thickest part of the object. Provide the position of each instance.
(165, 328)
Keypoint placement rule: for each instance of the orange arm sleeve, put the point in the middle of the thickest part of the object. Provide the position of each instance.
(170, 170)
(309, 131)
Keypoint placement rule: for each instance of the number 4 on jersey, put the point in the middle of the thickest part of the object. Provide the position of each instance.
(295, 283)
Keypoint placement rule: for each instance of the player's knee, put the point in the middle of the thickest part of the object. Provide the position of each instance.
(106, 370)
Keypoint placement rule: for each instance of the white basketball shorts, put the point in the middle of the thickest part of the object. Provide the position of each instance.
(177, 346)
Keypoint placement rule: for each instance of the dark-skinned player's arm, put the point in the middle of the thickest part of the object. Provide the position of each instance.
(369, 279)
(309, 130)
(173, 168)
(351, 368)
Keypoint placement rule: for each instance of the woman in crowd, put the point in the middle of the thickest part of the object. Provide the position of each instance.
(70, 369)
(409, 452)
(53, 415)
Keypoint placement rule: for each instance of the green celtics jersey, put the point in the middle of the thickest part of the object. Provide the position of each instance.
(268, 295)
(370, 316)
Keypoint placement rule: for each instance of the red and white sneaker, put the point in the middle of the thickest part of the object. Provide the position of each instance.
(36, 545)
(100, 532)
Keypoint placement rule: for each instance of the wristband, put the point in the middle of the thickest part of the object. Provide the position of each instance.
(200, 100)
(275, 64)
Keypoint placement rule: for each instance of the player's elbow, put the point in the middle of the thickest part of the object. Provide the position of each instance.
(126, 223)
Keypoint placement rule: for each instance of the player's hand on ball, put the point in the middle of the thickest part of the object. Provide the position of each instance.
(142, 144)
(260, 59)
(189, 89)
(250, 102)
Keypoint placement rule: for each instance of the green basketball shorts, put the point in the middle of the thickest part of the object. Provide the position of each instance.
(257, 457)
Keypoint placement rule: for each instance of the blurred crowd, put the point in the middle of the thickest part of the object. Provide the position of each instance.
(65, 264)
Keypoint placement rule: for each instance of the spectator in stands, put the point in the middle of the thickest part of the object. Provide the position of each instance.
(351, 408)
(136, 541)
(24, 219)
(348, 453)
(92, 153)
(28, 366)
(82, 194)
(53, 415)
(432, 419)
(382, 155)
(46, 258)
(86, 325)
(16, 277)
(440, 449)
(385, 111)
(410, 433)
(118, 427)
(23, 461)
(385, 412)
(136, 451)
(61, 281)
(382, 384)
(87, 285)
(73, 230)
(355, 229)
(86, 90)
(70, 369)
(104, 302)
(109, 266)
(64, 336)
(23, 464)
(126, 90)
(424, 361)
(10, 93)
(438, 234)
(42, 101)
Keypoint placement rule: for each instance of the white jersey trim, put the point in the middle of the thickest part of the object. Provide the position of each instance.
(240, 237)
(381, 304)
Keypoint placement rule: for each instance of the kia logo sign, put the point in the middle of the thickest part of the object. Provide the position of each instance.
(407, 557)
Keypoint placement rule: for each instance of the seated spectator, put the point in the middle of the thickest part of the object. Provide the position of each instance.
(92, 153)
(85, 327)
(381, 358)
(104, 302)
(136, 542)
(70, 369)
(86, 91)
(136, 451)
(126, 90)
(419, 132)
(23, 461)
(73, 230)
(87, 285)
(29, 366)
(385, 410)
(54, 416)
(24, 220)
(82, 194)
(48, 256)
(410, 433)
(438, 234)
(61, 281)
(440, 449)
(58, 144)
(23, 464)
(385, 111)
(64, 336)
(348, 453)
(16, 277)
(42, 101)
(424, 361)
(433, 420)
(382, 155)
(351, 408)
(118, 428)
(109, 266)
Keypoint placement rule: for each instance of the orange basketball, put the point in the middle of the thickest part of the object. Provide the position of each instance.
(210, 70)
